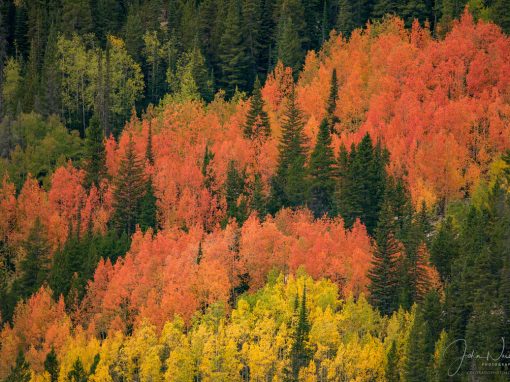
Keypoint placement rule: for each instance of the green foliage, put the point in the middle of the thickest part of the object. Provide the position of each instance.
(322, 173)
(257, 121)
(288, 187)
(236, 194)
(95, 155)
(130, 188)
(21, 371)
(363, 182)
(77, 374)
(51, 365)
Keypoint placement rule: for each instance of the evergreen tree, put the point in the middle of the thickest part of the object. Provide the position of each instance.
(344, 19)
(258, 199)
(257, 121)
(444, 249)
(300, 353)
(234, 55)
(50, 78)
(289, 48)
(500, 14)
(76, 17)
(363, 182)
(288, 186)
(417, 357)
(129, 190)
(51, 365)
(235, 194)
(148, 208)
(21, 371)
(77, 373)
(95, 155)
(321, 171)
(133, 32)
(384, 7)
(34, 266)
(392, 372)
(384, 285)
(332, 119)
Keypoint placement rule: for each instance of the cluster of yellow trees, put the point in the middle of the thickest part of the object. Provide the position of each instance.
(344, 340)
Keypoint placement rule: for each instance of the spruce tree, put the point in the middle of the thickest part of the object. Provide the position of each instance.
(384, 283)
(288, 186)
(77, 373)
(289, 48)
(362, 184)
(300, 353)
(50, 77)
(500, 14)
(344, 19)
(34, 266)
(51, 365)
(235, 194)
(332, 119)
(258, 198)
(129, 190)
(148, 208)
(444, 249)
(95, 155)
(417, 357)
(234, 56)
(322, 173)
(384, 7)
(21, 371)
(392, 372)
(257, 121)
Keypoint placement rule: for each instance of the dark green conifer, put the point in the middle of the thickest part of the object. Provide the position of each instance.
(95, 155)
(257, 121)
(51, 365)
(21, 371)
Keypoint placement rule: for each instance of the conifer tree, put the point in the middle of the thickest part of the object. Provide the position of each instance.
(417, 357)
(257, 121)
(235, 57)
(363, 182)
(95, 155)
(148, 208)
(51, 365)
(344, 19)
(289, 48)
(130, 187)
(21, 371)
(258, 198)
(384, 285)
(35, 264)
(384, 7)
(300, 353)
(500, 14)
(49, 77)
(235, 194)
(77, 373)
(288, 188)
(444, 249)
(321, 171)
(332, 119)
(392, 372)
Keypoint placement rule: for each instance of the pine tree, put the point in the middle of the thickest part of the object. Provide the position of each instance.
(300, 354)
(384, 7)
(95, 155)
(51, 365)
(332, 119)
(417, 357)
(289, 47)
(148, 208)
(384, 285)
(288, 188)
(444, 249)
(234, 56)
(322, 173)
(21, 371)
(362, 183)
(235, 194)
(258, 198)
(391, 372)
(133, 32)
(50, 78)
(257, 121)
(344, 19)
(77, 373)
(35, 264)
(500, 15)
(129, 190)
(76, 17)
